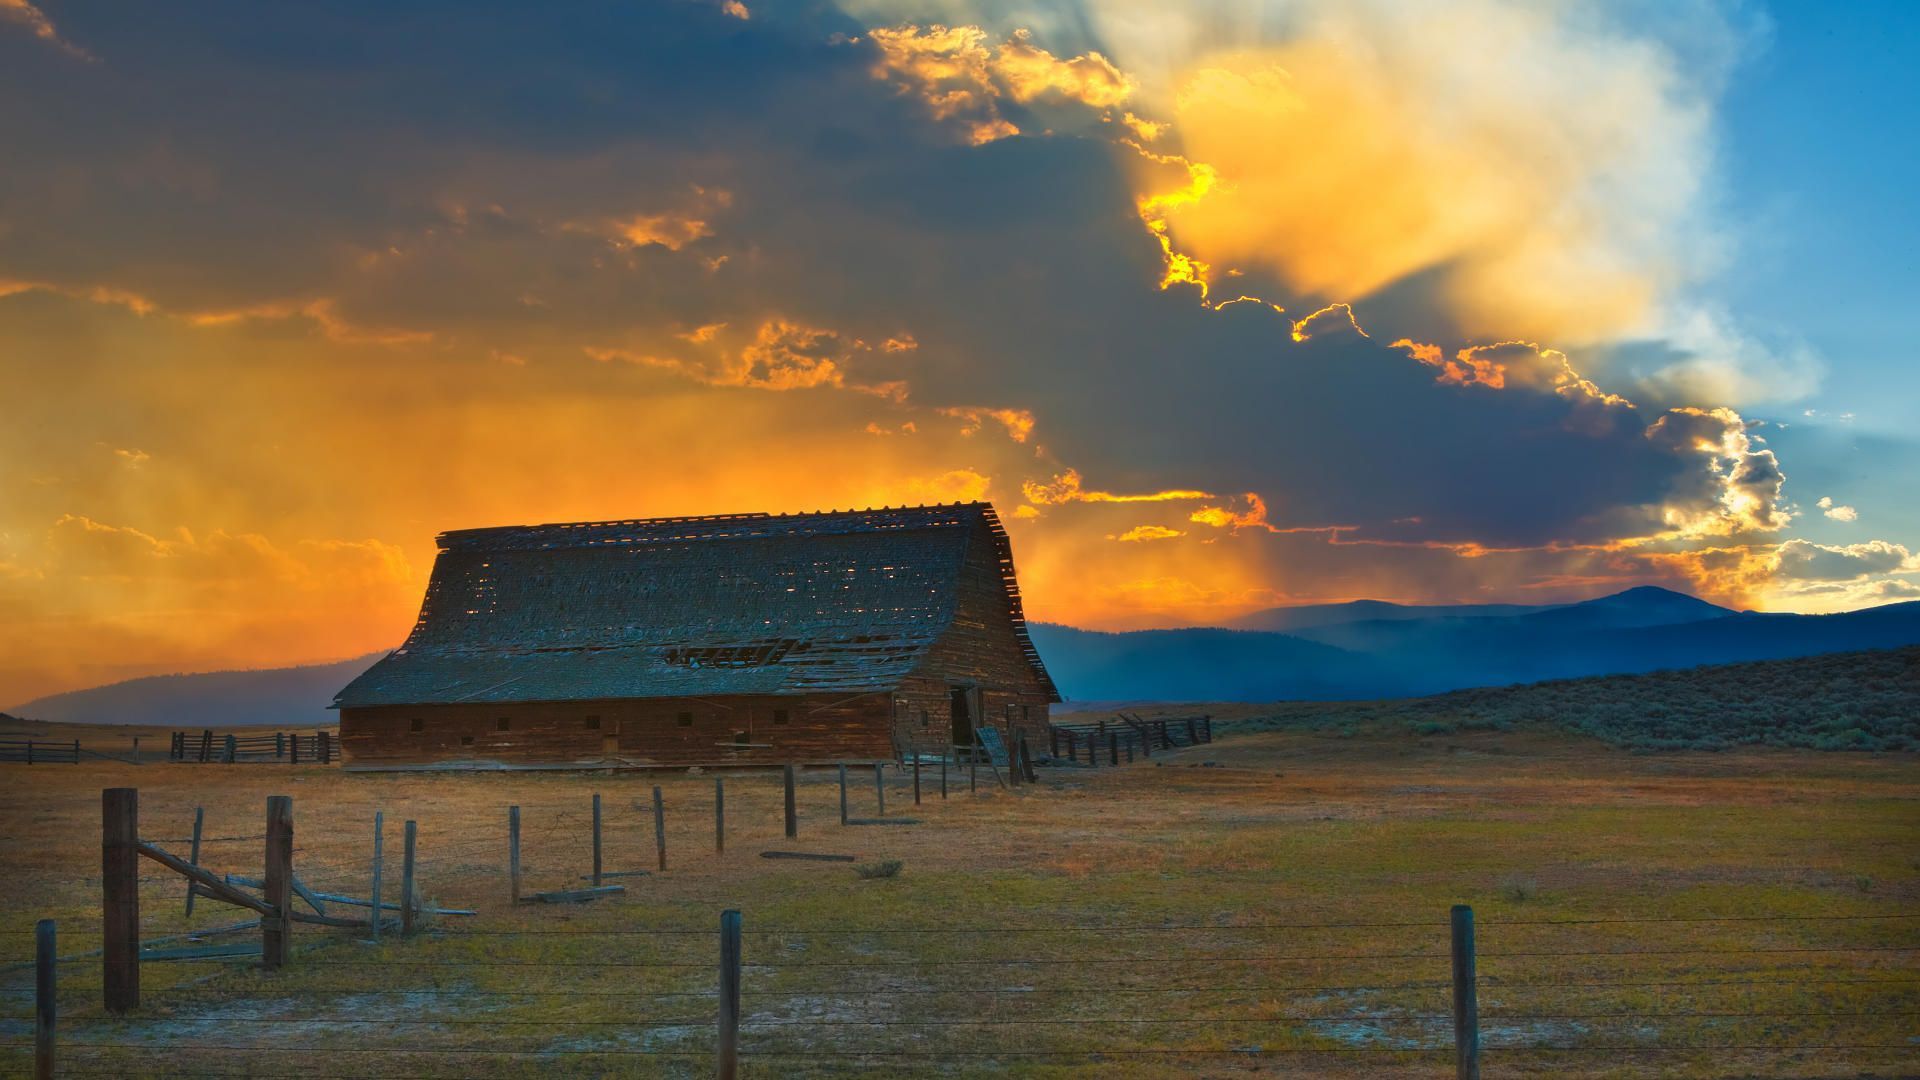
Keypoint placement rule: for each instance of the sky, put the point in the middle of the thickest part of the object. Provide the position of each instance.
(1224, 305)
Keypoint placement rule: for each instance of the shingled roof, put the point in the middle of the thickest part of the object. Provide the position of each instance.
(676, 607)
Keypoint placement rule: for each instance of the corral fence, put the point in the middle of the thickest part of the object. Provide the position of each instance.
(1738, 993)
(40, 751)
(286, 747)
(1117, 741)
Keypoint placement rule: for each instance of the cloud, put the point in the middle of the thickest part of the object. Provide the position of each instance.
(1804, 560)
(21, 13)
(1067, 487)
(1221, 517)
(963, 78)
(1145, 533)
(1836, 512)
(1018, 422)
(1029, 72)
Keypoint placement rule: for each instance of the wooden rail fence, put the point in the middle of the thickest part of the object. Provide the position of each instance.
(289, 747)
(1120, 740)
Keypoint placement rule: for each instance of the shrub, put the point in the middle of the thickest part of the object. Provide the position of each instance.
(1519, 889)
(884, 869)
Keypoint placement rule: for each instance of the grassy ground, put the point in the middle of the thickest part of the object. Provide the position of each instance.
(1305, 878)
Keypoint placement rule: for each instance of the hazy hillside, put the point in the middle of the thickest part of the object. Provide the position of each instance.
(1639, 630)
(1187, 665)
(1306, 616)
(1838, 701)
(293, 696)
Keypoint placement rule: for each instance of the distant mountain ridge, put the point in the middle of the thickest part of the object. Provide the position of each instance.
(1335, 652)
(1383, 650)
(290, 696)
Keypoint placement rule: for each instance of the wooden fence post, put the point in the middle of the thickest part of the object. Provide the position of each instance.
(719, 816)
(44, 957)
(206, 745)
(916, 778)
(973, 770)
(793, 816)
(326, 748)
(136, 751)
(232, 749)
(879, 789)
(1113, 748)
(279, 746)
(1193, 733)
(120, 898)
(193, 853)
(596, 840)
(728, 1065)
(1466, 1001)
(660, 827)
(276, 930)
(943, 771)
(513, 851)
(843, 793)
(295, 745)
(379, 842)
(1026, 760)
(407, 899)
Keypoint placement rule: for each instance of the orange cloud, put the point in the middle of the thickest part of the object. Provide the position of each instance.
(1028, 72)
(22, 13)
(1018, 422)
(1067, 488)
(1144, 533)
(1220, 517)
(962, 78)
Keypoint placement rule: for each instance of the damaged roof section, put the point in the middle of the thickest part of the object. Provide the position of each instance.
(678, 607)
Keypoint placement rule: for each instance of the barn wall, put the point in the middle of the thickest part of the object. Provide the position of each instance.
(818, 728)
(980, 650)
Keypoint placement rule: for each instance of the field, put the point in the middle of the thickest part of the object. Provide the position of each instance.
(1274, 903)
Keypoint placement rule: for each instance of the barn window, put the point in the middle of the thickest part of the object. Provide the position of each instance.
(593, 723)
(685, 719)
(502, 724)
(416, 724)
(466, 740)
(779, 716)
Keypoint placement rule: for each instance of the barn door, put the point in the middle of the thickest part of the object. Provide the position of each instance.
(610, 737)
(961, 698)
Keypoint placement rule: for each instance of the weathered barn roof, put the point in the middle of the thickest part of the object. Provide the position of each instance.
(676, 607)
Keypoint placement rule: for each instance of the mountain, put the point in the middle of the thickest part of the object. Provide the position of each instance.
(289, 696)
(1417, 651)
(1285, 620)
(1175, 665)
(1381, 651)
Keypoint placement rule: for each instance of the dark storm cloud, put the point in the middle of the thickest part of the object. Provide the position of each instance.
(504, 179)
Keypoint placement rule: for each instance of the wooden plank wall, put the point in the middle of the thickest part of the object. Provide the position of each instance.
(818, 728)
(980, 650)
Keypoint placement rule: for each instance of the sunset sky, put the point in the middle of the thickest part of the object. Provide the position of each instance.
(1224, 305)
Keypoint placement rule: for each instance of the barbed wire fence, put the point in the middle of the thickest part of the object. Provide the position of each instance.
(1760, 994)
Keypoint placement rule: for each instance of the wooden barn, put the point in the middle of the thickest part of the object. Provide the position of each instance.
(732, 640)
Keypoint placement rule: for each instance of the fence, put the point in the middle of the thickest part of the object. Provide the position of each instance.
(1116, 742)
(289, 747)
(1432, 997)
(40, 751)
(627, 991)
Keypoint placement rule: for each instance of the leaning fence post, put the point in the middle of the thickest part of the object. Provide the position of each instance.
(276, 929)
(120, 898)
(44, 954)
(728, 1065)
(879, 789)
(660, 827)
(407, 903)
(792, 813)
(379, 840)
(596, 839)
(193, 852)
(843, 793)
(513, 851)
(916, 778)
(1466, 1002)
(719, 816)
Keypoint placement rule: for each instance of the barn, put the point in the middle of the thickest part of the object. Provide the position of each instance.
(739, 639)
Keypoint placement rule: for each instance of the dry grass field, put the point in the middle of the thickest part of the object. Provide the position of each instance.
(1281, 910)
